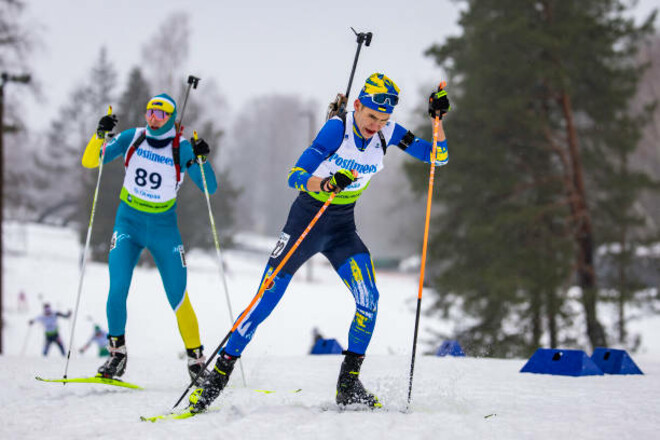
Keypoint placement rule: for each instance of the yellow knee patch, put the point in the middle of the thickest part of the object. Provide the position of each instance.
(187, 320)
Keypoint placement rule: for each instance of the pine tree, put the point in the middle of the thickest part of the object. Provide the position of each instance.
(16, 44)
(539, 89)
(205, 114)
(165, 53)
(129, 109)
(100, 95)
(66, 189)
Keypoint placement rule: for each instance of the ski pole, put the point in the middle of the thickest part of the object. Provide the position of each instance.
(338, 106)
(216, 241)
(266, 284)
(99, 135)
(362, 37)
(429, 200)
(193, 81)
(25, 341)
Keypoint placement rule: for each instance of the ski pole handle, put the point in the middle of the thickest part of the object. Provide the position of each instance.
(195, 139)
(362, 37)
(105, 133)
(193, 81)
(100, 134)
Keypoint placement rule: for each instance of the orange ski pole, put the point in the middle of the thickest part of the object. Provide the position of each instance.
(268, 281)
(429, 200)
(266, 284)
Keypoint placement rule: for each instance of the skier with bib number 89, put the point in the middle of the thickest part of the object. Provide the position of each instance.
(156, 162)
(346, 154)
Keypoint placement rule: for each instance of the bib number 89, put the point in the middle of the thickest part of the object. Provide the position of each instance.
(142, 178)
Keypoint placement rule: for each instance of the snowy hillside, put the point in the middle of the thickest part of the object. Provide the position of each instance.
(452, 398)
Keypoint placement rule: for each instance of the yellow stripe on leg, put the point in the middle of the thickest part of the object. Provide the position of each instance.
(187, 320)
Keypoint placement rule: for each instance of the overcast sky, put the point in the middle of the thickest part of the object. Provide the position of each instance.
(249, 48)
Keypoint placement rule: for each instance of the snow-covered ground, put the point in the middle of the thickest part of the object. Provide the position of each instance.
(452, 397)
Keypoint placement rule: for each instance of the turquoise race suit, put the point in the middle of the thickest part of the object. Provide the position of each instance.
(147, 218)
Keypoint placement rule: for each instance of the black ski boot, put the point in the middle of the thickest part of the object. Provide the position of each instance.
(196, 362)
(115, 365)
(217, 379)
(350, 390)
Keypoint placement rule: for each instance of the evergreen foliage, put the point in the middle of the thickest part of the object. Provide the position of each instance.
(62, 184)
(204, 114)
(16, 50)
(129, 109)
(100, 95)
(538, 137)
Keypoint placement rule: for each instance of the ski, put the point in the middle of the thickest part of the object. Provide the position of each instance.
(94, 379)
(184, 414)
(297, 390)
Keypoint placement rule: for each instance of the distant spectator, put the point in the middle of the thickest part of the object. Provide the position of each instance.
(49, 320)
(100, 337)
(22, 306)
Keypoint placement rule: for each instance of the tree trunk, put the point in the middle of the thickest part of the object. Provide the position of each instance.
(537, 326)
(551, 316)
(623, 288)
(583, 230)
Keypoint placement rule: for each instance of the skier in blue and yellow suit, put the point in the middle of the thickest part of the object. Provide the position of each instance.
(354, 143)
(147, 218)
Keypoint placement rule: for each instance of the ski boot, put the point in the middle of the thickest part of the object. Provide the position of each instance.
(217, 379)
(115, 365)
(196, 363)
(350, 390)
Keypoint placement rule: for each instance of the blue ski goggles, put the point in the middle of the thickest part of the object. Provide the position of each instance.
(382, 98)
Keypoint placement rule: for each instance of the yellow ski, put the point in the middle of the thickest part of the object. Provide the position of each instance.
(94, 379)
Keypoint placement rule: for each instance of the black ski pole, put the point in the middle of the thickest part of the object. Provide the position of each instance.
(362, 37)
(208, 362)
(193, 81)
(338, 106)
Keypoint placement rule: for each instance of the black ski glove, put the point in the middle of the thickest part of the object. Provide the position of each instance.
(439, 102)
(200, 148)
(338, 181)
(107, 123)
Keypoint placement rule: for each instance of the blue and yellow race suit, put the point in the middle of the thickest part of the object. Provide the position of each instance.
(339, 145)
(147, 218)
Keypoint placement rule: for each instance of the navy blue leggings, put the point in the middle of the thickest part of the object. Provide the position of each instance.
(335, 236)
